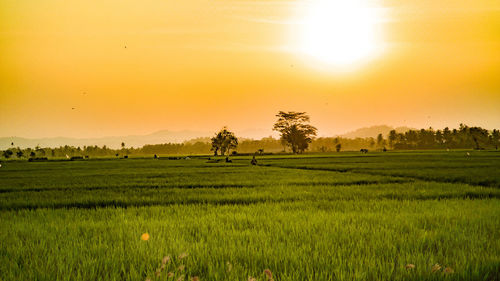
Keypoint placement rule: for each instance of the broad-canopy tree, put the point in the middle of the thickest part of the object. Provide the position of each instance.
(224, 141)
(294, 130)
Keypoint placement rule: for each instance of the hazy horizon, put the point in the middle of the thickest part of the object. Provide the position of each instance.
(252, 133)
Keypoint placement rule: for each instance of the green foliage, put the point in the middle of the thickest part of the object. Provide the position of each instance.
(464, 137)
(7, 153)
(294, 130)
(224, 141)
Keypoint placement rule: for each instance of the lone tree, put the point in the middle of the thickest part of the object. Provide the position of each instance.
(295, 131)
(224, 141)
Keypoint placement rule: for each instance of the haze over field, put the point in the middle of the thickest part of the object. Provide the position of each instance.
(166, 136)
(87, 69)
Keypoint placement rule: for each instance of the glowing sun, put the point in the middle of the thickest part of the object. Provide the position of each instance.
(341, 32)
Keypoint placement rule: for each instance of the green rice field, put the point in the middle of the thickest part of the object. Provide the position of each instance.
(424, 215)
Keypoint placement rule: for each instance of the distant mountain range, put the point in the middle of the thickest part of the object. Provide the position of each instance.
(164, 136)
(373, 131)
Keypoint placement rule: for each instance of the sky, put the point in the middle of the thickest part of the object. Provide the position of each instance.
(88, 68)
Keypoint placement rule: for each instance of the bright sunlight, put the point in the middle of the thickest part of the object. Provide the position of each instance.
(341, 33)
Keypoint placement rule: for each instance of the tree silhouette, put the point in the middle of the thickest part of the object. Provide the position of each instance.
(338, 147)
(495, 138)
(380, 140)
(295, 131)
(224, 141)
(392, 137)
(7, 153)
(464, 137)
(479, 136)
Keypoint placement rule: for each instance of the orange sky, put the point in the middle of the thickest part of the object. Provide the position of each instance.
(202, 64)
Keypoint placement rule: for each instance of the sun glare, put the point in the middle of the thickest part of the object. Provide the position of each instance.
(341, 33)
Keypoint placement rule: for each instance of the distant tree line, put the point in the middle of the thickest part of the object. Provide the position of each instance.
(463, 137)
(294, 138)
(66, 151)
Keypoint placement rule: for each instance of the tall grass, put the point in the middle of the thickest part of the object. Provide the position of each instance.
(335, 240)
(392, 216)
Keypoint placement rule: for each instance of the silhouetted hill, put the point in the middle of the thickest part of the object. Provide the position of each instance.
(166, 136)
(373, 131)
(163, 136)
